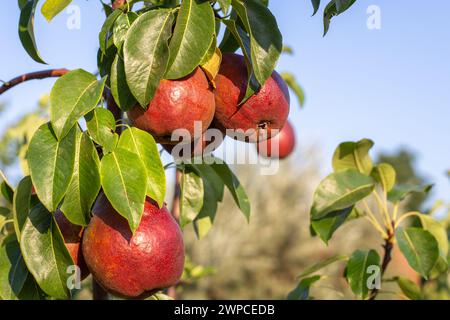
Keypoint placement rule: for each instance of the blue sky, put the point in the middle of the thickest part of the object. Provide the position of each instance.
(391, 85)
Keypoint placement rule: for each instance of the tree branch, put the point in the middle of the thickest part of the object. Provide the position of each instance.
(388, 246)
(52, 73)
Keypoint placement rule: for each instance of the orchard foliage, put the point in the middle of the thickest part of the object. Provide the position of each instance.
(85, 149)
(358, 188)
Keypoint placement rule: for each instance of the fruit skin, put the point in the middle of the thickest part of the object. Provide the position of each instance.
(133, 266)
(268, 109)
(285, 140)
(72, 235)
(176, 104)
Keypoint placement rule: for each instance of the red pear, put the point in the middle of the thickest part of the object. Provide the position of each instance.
(268, 109)
(72, 235)
(177, 104)
(283, 144)
(133, 265)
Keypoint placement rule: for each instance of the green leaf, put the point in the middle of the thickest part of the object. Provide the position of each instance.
(229, 41)
(144, 145)
(266, 41)
(51, 164)
(45, 253)
(225, 6)
(107, 8)
(121, 26)
(439, 232)
(385, 175)
(119, 86)
(357, 271)
(243, 41)
(102, 126)
(13, 271)
(73, 95)
(419, 247)
(85, 184)
(353, 155)
(339, 191)
(326, 226)
(146, 53)
(301, 292)
(26, 30)
(213, 194)
(192, 192)
(104, 34)
(21, 204)
(290, 80)
(320, 265)
(192, 36)
(31, 290)
(334, 8)
(22, 3)
(105, 61)
(5, 188)
(124, 181)
(399, 193)
(409, 289)
(235, 187)
(316, 5)
(51, 8)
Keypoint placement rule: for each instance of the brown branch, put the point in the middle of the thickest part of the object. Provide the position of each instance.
(388, 246)
(52, 73)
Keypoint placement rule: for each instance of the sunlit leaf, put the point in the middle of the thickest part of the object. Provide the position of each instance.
(194, 30)
(358, 271)
(144, 145)
(339, 191)
(26, 30)
(419, 247)
(21, 204)
(51, 8)
(102, 126)
(73, 96)
(85, 184)
(45, 253)
(124, 181)
(353, 155)
(51, 164)
(146, 53)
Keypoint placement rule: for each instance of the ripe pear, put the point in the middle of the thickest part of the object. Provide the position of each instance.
(177, 104)
(133, 265)
(266, 110)
(72, 235)
(282, 144)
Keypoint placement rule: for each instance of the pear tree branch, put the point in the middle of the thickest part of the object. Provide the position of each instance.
(38, 75)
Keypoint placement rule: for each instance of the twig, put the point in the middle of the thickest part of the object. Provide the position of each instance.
(388, 246)
(52, 73)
